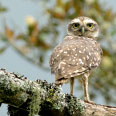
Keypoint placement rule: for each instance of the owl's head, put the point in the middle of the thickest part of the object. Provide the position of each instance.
(83, 26)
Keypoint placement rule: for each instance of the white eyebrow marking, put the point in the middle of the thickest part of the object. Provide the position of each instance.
(89, 21)
(75, 20)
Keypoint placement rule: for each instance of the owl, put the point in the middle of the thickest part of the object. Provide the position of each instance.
(78, 54)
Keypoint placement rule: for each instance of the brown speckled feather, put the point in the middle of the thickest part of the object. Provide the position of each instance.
(74, 56)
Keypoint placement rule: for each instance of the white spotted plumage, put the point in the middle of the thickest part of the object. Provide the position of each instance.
(74, 57)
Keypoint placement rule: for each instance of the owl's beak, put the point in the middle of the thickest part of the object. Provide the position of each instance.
(83, 30)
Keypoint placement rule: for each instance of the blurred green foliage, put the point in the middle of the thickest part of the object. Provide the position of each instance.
(38, 42)
(2, 9)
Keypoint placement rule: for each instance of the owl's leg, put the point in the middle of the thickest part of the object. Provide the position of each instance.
(85, 87)
(71, 85)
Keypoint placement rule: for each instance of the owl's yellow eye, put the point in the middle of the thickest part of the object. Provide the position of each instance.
(75, 25)
(90, 25)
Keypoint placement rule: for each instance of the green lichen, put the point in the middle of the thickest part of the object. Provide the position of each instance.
(62, 101)
(55, 97)
(74, 105)
(34, 104)
(57, 101)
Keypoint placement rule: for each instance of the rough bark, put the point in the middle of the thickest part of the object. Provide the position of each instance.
(30, 98)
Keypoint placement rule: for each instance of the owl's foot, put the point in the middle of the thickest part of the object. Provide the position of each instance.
(89, 101)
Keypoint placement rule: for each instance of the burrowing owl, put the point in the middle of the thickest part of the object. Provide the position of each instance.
(78, 54)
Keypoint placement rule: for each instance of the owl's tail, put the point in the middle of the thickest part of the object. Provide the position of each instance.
(60, 80)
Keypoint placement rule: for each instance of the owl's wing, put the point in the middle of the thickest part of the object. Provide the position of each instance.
(57, 55)
(55, 59)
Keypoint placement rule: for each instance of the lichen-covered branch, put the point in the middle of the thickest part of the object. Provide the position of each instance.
(30, 98)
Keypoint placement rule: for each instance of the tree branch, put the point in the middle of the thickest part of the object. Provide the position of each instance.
(40, 98)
